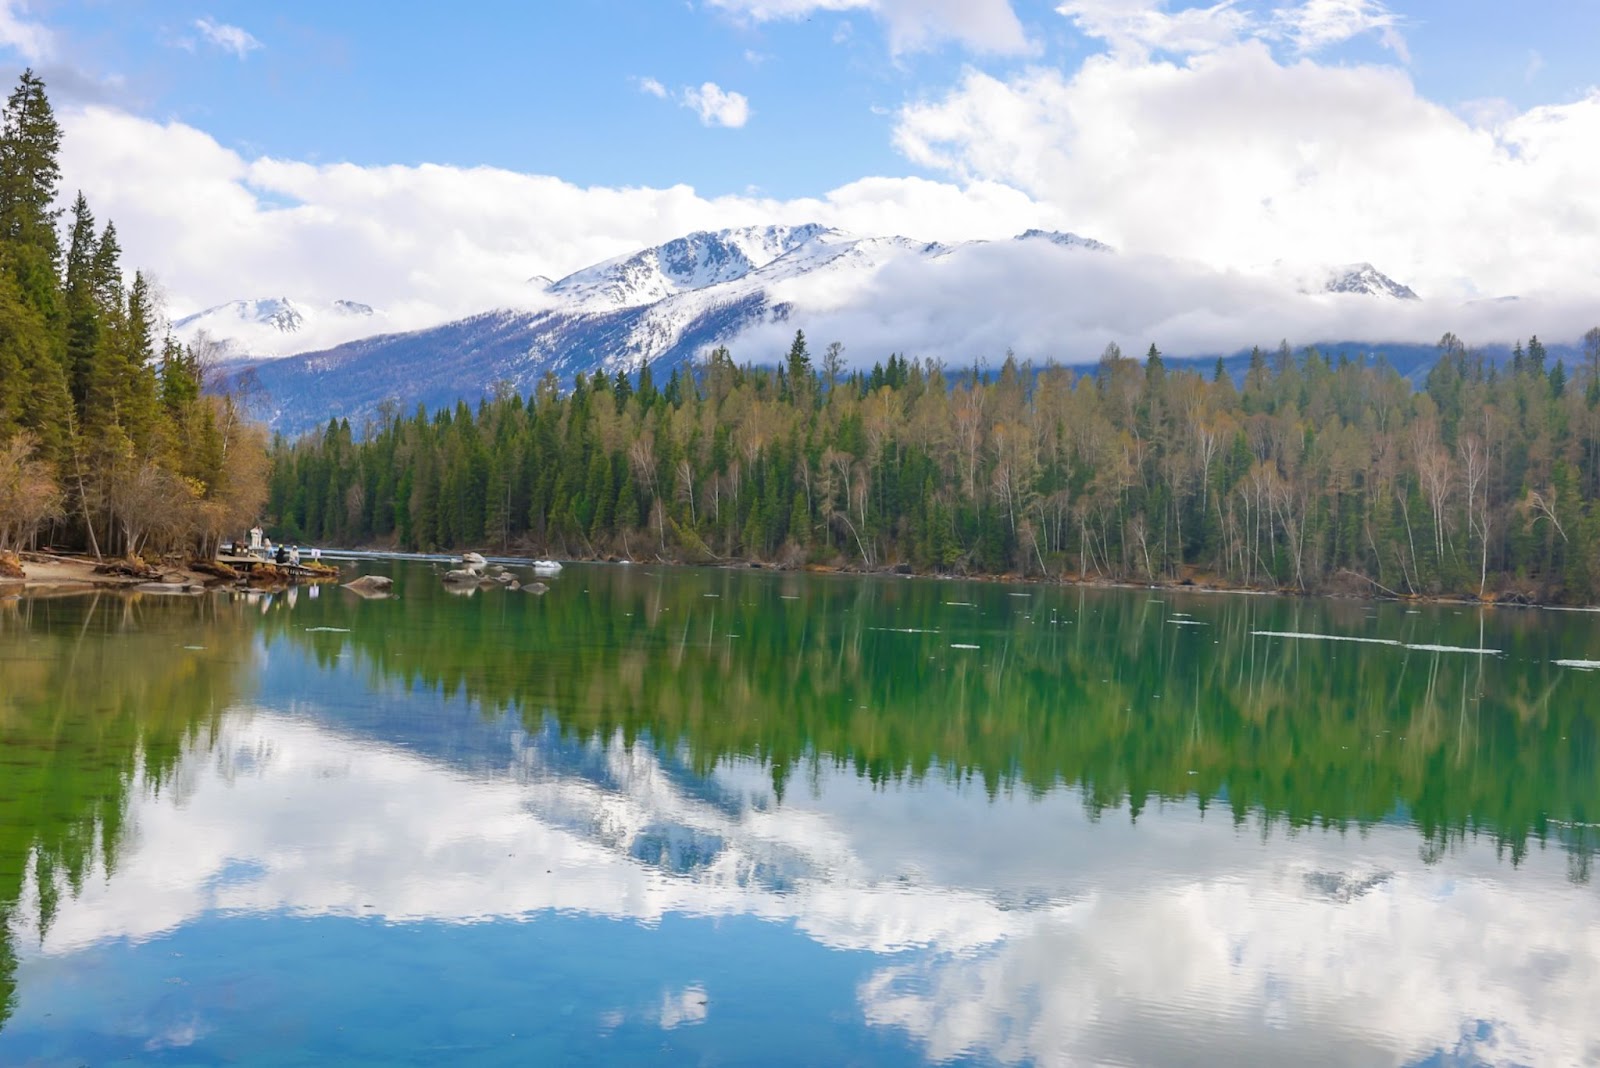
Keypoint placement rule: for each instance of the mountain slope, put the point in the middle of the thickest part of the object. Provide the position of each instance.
(668, 304)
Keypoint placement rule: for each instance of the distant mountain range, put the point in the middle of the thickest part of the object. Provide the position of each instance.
(664, 305)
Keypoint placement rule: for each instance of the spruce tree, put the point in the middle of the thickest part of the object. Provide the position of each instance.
(30, 142)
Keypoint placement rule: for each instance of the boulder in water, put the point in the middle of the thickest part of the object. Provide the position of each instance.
(371, 586)
(461, 576)
(536, 587)
(474, 561)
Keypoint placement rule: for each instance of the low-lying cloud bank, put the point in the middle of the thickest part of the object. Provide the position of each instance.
(1045, 303)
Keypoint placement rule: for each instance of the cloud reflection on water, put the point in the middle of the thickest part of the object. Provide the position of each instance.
(1016, 929)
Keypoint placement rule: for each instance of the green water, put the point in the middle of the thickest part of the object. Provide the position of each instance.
(732, 817)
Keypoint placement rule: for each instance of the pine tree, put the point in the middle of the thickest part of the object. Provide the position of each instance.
(30, 142)
(83, 314)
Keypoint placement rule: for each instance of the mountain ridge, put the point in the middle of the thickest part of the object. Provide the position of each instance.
(663, 305)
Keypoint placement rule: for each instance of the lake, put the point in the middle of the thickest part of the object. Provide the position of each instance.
(738, 817)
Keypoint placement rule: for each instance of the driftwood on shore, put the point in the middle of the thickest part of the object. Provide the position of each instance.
(128, 568)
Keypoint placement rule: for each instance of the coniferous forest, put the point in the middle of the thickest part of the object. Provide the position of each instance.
(107, 441)
(1309, 475)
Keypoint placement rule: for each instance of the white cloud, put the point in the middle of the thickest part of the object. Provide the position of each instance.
(1139, 27)
(31, 40)
(1046, 303)
(1318, 24)
(714, 105)
(427, 243)
(989, 26)
(1236, 159)
(717, 106)
(228, 38)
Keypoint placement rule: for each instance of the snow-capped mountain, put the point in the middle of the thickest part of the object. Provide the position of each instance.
(277, 326)
(1055, 237)
(694, 262)
(750, 288)
(1366, 280)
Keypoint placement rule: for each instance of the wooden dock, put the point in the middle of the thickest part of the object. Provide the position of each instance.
(248, 564)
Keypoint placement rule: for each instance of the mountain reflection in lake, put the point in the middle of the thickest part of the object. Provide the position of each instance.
(713, 816)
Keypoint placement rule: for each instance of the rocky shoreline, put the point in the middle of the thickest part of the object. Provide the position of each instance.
(48, 574)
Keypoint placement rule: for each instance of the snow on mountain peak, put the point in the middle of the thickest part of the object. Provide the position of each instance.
(694, 261)
(1065, 240)
(277, 326)
(1366, 280)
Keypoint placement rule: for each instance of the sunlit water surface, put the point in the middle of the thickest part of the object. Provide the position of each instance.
(717, 817)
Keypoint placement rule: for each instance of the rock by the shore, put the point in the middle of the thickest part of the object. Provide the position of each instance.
(536, 587)
(460, 576)
(473, 560)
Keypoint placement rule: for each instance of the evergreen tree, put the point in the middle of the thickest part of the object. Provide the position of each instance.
(30, 142)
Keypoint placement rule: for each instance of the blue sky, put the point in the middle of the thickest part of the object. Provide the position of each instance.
(553, 88)
(430, 160)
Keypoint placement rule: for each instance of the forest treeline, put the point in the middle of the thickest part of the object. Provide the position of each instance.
(1310, 474)
(107, 442)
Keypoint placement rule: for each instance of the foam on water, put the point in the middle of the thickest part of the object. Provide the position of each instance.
(1322, 637)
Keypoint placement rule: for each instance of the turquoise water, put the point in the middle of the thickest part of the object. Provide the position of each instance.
(715, 817)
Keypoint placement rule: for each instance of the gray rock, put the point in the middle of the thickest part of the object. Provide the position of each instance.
(371, 584)
(168, 588)
(536, 587)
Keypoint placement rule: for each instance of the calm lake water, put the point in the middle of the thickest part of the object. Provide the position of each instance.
(719, 817)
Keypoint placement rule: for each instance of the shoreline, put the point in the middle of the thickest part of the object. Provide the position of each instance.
(51, 575)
